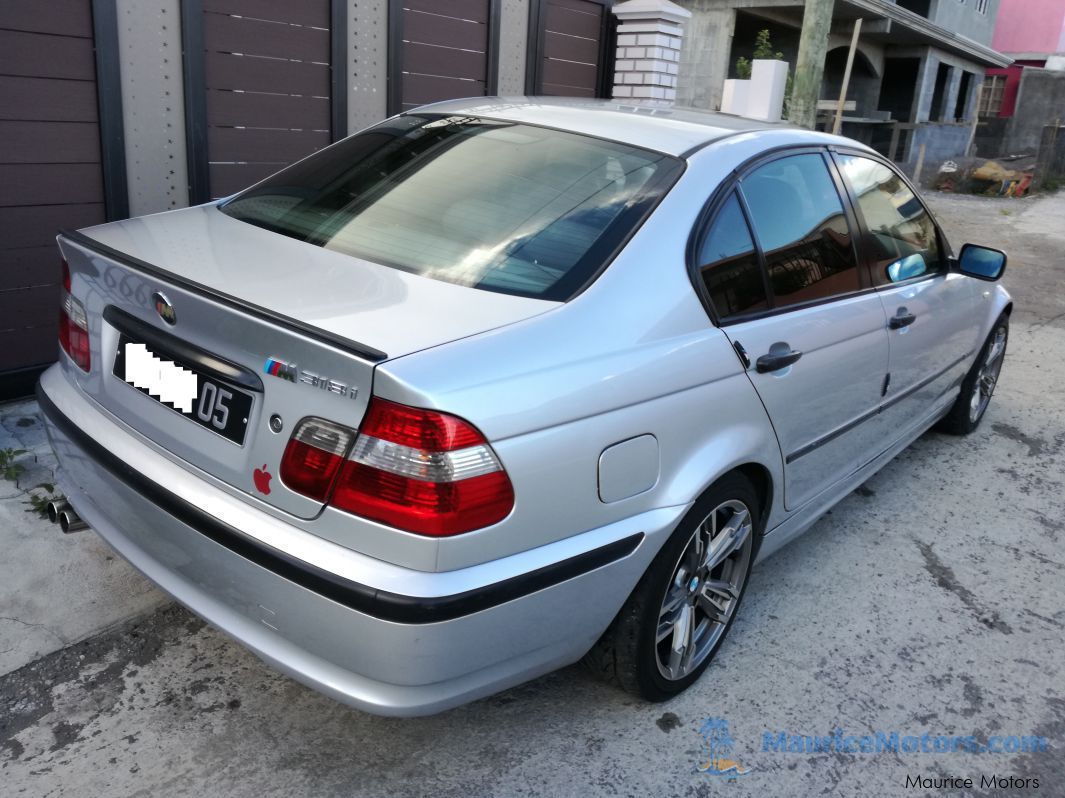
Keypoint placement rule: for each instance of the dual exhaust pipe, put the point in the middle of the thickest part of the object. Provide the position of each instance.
(60, 512)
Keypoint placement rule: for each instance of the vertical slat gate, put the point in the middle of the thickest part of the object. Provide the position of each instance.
(50, 165)
(440, 50)
(266, 85)
(570, 47)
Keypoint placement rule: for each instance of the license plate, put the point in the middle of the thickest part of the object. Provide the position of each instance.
(210, 402)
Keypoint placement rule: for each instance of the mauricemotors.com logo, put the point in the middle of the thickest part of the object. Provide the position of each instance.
(897, 743)
(719, 756)
(894, 742)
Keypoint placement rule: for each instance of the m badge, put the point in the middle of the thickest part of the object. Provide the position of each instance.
(281, 369)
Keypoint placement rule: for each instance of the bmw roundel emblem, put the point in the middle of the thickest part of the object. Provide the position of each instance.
(164, 308)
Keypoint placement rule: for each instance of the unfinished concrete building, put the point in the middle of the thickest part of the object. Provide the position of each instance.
(918, 61)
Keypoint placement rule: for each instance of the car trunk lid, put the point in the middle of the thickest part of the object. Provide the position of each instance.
(290, 330)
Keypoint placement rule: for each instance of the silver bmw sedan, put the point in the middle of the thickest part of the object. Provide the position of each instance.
(498, 385)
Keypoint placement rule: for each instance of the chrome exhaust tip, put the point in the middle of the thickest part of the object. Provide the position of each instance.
(70, 521)
(55, 508)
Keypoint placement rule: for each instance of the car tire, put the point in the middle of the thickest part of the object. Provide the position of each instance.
(632, 652)
(979, 384)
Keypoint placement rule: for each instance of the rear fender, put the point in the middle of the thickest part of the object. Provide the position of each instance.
(741, 445)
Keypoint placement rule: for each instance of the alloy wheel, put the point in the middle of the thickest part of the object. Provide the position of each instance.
(704, 590)
(988, 376)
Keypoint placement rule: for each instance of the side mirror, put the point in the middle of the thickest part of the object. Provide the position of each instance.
(983, 263)
(907, 268)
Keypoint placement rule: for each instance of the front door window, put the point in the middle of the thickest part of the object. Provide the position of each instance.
(902, 236)
(801, 226)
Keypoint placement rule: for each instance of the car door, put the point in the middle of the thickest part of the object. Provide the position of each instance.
(778, 266)
(929, 309)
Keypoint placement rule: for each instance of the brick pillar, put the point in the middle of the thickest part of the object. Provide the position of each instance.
(649, 38)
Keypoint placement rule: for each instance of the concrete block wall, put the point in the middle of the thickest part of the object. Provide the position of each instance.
(704, 59)
(1050, 160)
(1040, 102)
(942, 142)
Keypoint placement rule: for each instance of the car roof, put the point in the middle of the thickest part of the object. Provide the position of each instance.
(674, 130)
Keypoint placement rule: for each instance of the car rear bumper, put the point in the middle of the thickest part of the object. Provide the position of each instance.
(449, 638)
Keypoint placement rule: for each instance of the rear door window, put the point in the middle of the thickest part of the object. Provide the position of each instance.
(729, 265)
(494, 205)
(902, 235)
(801, 226)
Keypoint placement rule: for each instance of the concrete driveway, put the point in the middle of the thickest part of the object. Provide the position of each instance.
(931, 601)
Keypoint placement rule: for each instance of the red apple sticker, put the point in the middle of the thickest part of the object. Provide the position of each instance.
(261, 478)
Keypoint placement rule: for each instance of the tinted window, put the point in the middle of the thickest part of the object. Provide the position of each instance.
(494, 205)
(729, 264)
(903, 236)
(802, 228)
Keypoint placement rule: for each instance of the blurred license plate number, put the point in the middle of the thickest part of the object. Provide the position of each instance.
(210, 403)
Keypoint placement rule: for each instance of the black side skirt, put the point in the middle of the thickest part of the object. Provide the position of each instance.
(362, 598)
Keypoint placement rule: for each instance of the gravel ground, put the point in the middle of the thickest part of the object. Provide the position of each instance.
(930, 601)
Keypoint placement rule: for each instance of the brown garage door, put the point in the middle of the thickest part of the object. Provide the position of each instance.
(266, 84)
(571, 52)
(50, 164)
(440, 50)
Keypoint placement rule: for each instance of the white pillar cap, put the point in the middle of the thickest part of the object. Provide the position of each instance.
(651, 9)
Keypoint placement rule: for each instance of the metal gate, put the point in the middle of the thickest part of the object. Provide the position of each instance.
(52, 167)
(569, 49)
(261, 90)
(440, 50)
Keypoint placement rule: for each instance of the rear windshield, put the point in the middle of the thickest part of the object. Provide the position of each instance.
(496, 205)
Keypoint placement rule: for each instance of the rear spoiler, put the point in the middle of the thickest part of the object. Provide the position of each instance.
(289, 323)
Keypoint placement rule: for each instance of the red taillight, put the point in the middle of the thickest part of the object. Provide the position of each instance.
(418, 470)
(73, 325)
(423, 471)
(313, 457)
(417, 428)
(437, 509)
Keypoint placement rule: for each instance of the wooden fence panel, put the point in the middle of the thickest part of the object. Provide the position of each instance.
(50, 164)
(268, 85)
